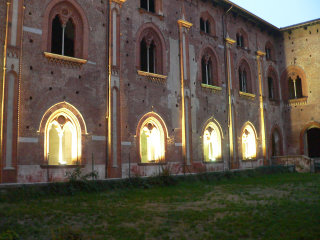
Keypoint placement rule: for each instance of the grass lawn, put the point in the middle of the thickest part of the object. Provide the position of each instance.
(279, 206)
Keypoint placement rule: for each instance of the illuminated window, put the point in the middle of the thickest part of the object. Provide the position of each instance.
(152, 141)
(249, 147)
(63, 139)
(62, 37)
(148, 5)
(212, 143)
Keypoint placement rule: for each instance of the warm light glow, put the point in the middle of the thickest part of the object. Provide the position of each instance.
(152, 147)
(62, 138)
(249, 147)
(211, 143)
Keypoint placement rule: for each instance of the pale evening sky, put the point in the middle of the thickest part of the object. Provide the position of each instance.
(282, 13)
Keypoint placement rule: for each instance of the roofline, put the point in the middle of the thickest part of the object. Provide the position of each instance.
(299, 25)
(252, 15)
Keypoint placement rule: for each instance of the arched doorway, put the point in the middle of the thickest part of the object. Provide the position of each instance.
(312, 140)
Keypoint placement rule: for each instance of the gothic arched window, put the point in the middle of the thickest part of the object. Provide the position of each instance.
(209, 68)
(206, 68)
(271, 88)
(295, 88)
(212, 143)
(63, 139)
(244, 74)
(148, 56)
(243, 80)
(249, 145)
(63, 37)
(152, 141)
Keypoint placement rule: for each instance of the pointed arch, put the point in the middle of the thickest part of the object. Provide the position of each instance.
(65, 10)
(208, 67)
(212, 136)
(152, 137)
(276, 142)
(249, 141)
(273, 84)
(290, 74)
(244, 76)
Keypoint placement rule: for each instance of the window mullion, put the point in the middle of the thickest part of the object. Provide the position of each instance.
(295, 88)
(63, 33)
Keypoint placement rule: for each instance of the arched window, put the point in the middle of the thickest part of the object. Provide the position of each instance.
(63, 139)
(209, 67)
(249, 145)
(207, 24)
(243, 80)
(63, 37)
(65, 30)
(152, 141)
(271, 88)
(148, 56)
(212, 143)
(242, 39)
(148, 5)
(206, 67)
(150, 49)
(244, 74)
(269, 51)
(295, 88)
(276, 144)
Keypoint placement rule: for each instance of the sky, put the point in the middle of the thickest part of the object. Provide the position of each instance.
(282, 13)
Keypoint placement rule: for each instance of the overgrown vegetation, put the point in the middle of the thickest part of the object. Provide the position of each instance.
(266, 203)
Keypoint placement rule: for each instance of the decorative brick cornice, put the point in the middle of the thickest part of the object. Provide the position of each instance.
(297, 102)
(64, 60)
(153, 76)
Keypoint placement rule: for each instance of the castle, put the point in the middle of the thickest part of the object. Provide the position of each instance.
(130, 87)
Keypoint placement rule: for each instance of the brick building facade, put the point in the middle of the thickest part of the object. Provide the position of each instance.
(132, 87)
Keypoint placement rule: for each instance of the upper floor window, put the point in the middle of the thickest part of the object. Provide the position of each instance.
(244, 74)
(65, 29)
(271, 88)
(240, 40)
(295, 88)
(147, 56)
(205, 26)
(206, 67)
(63, 37)
(243, 80)
(150, 49)
(269, 51)
(148, 5)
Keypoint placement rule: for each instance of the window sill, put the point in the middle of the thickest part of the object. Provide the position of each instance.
(152, 164)
(60, 166)
(247, 95)
(298, 101)
(214, 88)
(208, 35)
(144, 11)
(153, 76)
(64, 60)
(250, 160)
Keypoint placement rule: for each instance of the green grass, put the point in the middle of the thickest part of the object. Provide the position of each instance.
(278, 206)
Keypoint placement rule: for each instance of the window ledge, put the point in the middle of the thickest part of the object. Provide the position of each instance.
(298, 101)
(61, 166)
(153, 76)
(247, 95)
(214, 88)
(152, 164)
(64, 60)
(144, 11)
(250, 160)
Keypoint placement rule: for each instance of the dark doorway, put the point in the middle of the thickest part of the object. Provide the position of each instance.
(313, 135)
